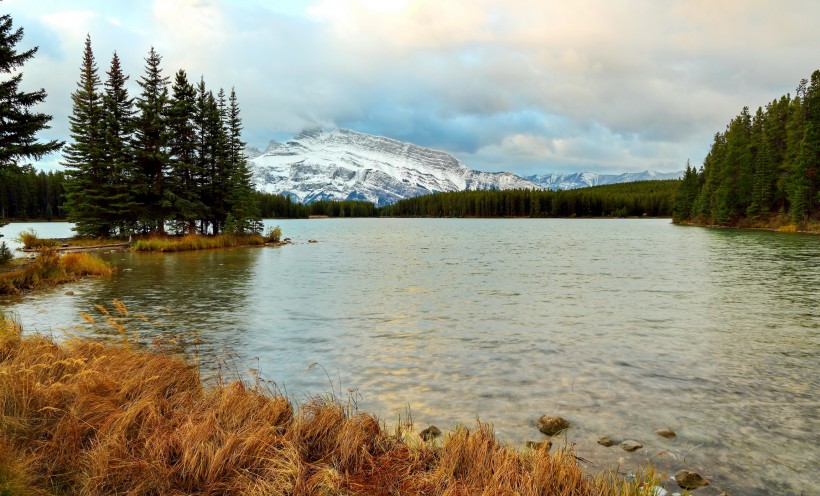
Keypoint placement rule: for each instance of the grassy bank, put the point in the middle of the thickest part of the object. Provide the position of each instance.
(50, 269)
(84, 417)
(195, 242)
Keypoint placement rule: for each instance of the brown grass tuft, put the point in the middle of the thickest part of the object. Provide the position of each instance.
(49, 269)
(192, 242)
(90, 418)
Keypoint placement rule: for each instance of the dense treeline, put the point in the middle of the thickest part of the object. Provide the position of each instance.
(171, 157)
(282, 207)
(29, 194)
(764, 167)
(642, 198)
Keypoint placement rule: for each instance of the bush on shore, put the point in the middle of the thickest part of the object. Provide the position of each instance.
(86, 417)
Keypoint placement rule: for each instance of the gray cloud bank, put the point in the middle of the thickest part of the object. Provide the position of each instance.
(529, 86)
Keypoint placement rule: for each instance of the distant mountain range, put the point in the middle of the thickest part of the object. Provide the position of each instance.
(348, 165)
(585, 179)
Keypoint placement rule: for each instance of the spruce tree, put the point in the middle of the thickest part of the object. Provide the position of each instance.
(804, 187)
(150, 146)
(18, 124)
(87, 195)
(118, 129)
(185, 176)
(242, 205)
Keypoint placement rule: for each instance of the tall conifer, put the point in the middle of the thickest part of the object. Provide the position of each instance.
(87, 195)
(19, 125)
(151, 145)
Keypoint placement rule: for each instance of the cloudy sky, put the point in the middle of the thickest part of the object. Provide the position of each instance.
(529, 86)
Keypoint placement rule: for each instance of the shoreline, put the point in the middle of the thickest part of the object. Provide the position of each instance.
(236, 435)
(784, 229)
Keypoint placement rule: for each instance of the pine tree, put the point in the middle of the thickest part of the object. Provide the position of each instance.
(18, 124)
(87, 196)
(242, 205)
(118, 129)
(804, 187)
(185, 176)
(150, 146)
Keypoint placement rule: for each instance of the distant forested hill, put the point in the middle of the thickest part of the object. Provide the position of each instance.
(764, 170)
(642, 198)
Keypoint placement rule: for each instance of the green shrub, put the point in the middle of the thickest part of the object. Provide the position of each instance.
(5, 254)
(274, 235)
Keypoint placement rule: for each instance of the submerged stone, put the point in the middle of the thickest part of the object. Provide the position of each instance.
(430, 433)
(630, 445)
(605, 441)
(552, 424)
(667, 433)
(690, 480)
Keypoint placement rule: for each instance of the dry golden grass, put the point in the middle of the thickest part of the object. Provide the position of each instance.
(192, 242)
(82, 417)
(49, 269)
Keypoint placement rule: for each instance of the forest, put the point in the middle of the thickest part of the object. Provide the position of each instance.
(763, 170)
(637, 199)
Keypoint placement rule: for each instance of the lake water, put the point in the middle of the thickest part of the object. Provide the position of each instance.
(621, 326)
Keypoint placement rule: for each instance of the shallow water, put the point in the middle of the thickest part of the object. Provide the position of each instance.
(622, 326)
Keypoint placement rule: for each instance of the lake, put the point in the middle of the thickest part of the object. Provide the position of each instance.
(621, 326)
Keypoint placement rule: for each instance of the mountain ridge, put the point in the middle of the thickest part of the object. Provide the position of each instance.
(348, 165)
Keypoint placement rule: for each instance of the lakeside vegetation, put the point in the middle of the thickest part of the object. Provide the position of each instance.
(81, 416)
(49, 269)
(763, 171)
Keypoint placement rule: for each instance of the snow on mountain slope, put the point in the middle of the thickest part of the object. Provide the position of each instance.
(575, 180)
(343, 164)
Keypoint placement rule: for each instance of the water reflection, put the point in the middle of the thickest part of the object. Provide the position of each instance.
(623, 327)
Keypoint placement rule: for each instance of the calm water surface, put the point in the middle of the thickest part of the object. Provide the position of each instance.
(622, 326)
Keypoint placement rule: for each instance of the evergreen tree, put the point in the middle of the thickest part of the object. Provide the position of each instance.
(18, 124)
(151, 146)
(118, 129)
(804, 190)
(242, 205)
(686, 195)
(87, 196)
(185, 175)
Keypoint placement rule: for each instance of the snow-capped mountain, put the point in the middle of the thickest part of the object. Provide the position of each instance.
(584, 179)
(343, 164)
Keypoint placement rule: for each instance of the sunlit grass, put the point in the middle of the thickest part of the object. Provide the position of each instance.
(88, 417)
(195, 242)
(50, 269)
(30, 240)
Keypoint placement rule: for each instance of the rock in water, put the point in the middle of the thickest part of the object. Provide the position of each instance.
(552, 424)
(690, 480)
(430, 433)
(667, 433)
(545, 445)
(605, 441)
(631, 445)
